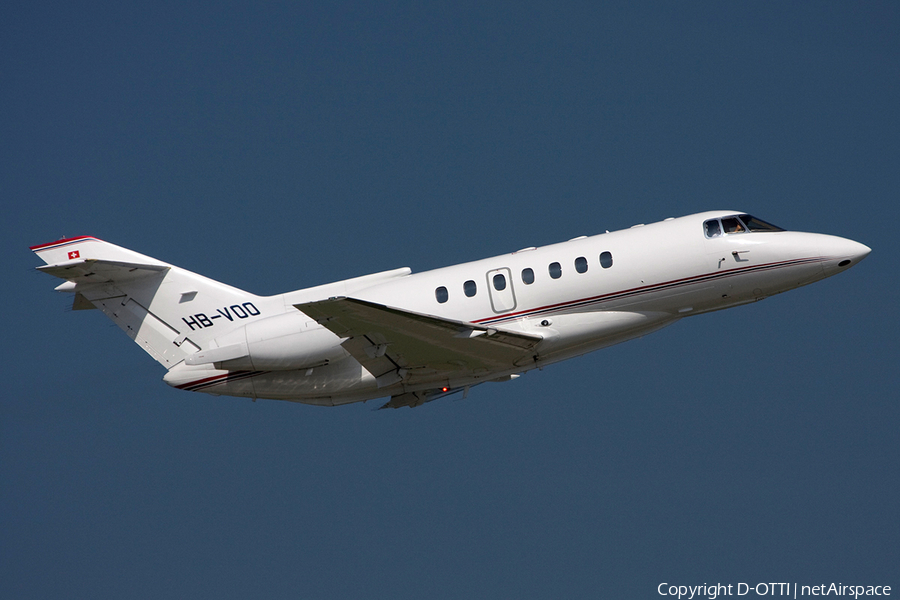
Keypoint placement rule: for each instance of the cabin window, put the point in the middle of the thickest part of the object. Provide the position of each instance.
(712, 228)
(605, 260)
(441, 294)
(499, 282)
(527, 276)
(555, 270)
(581, 264)
(469, 288)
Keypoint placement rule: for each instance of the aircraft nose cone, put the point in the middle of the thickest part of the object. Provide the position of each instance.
(861, 251)
(841, 253)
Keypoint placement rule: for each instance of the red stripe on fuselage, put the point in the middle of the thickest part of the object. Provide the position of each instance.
(217, 379)
(647, 289)
(201, 381)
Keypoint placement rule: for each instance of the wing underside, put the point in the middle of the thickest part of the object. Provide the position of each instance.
(397, 345)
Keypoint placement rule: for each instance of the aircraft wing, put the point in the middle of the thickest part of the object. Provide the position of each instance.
(394, 344)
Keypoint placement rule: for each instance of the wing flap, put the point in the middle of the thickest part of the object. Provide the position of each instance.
(395, 344)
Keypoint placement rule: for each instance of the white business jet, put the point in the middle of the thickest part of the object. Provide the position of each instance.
(418, 337)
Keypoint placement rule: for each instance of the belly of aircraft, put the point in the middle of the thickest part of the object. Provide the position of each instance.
(336, 383)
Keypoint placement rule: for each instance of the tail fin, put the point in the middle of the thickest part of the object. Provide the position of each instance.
(170, 312)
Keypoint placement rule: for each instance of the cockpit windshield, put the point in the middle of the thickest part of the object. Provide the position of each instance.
(754, 224)
(736, 224)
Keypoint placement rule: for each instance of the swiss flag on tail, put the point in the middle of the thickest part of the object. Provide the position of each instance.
(74, 254)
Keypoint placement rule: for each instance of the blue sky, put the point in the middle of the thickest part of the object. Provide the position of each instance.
(286, 145)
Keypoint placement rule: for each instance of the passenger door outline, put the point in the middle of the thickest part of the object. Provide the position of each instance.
(503, 300)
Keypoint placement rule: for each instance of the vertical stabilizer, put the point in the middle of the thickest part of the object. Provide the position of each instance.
(170, 312)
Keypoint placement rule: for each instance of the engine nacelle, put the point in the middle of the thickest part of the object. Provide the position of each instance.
(280, 343)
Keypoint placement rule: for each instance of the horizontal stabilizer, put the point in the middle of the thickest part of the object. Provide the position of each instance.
(92, 270)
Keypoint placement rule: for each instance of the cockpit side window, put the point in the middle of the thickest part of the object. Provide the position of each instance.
(712, 229)
(736, 224)
(733, 225)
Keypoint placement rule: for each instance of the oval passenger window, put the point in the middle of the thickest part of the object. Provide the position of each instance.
(581, 264)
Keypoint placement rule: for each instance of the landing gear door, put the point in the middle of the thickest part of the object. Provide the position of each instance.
(500, 287)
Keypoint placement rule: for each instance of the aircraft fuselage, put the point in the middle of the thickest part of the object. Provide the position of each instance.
(324, 346)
